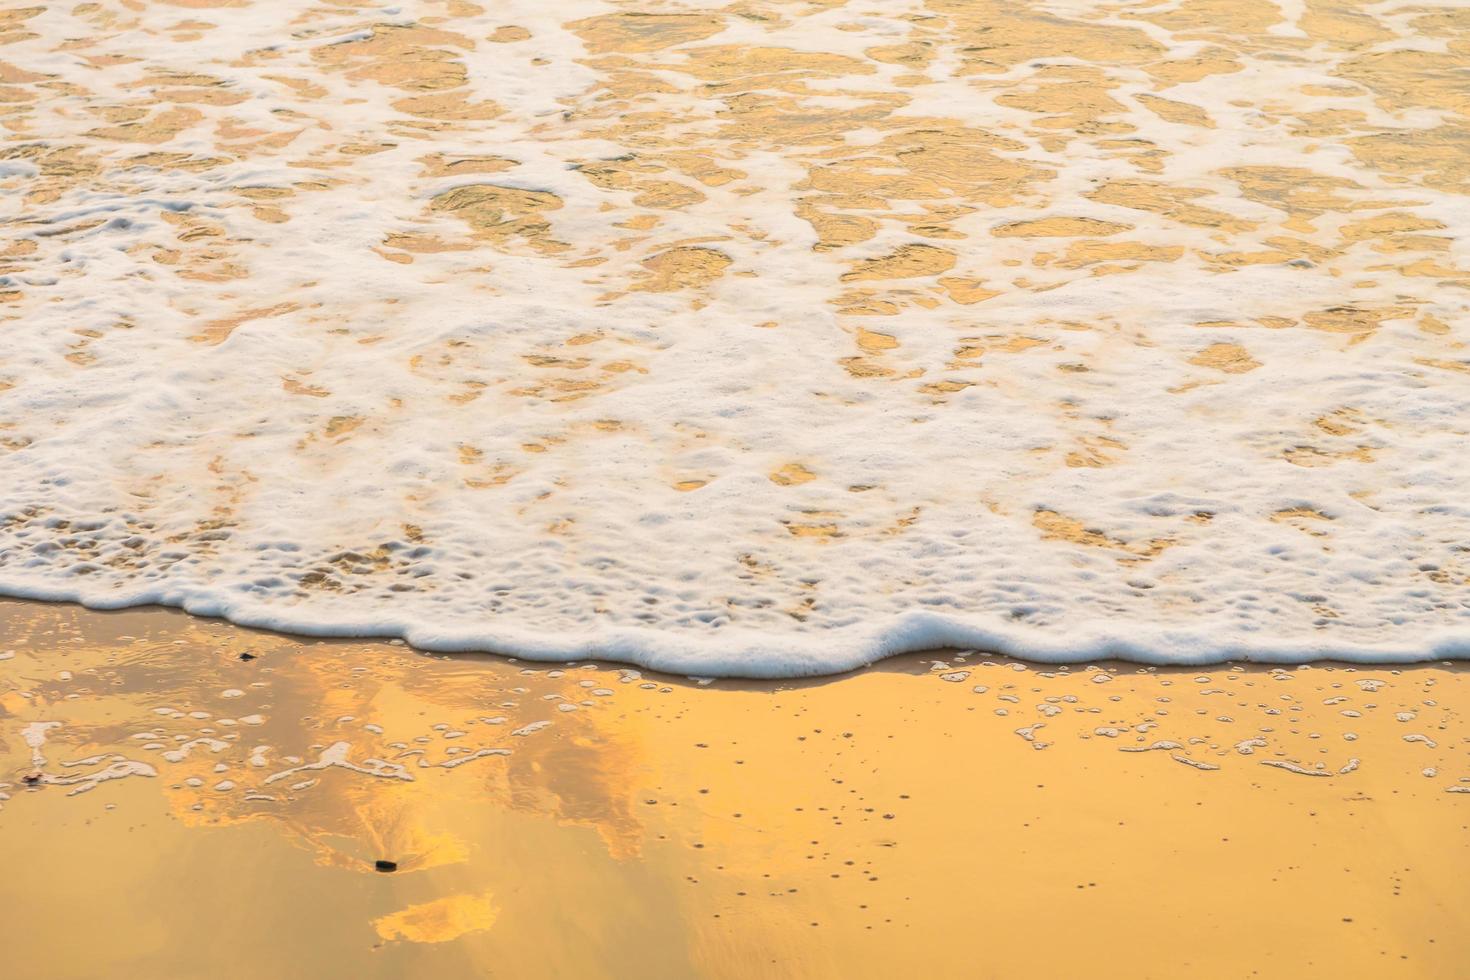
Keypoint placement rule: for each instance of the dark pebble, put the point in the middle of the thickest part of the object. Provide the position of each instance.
(386, 865)
(247, 657)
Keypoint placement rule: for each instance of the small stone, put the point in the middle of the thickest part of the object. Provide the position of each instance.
(247, 657)
(32, 779)
(385, 866)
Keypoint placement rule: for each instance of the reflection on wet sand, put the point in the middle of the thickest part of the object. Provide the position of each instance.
(202, 799)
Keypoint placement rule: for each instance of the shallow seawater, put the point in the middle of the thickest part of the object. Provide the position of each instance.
(193, 813)
(760, 338)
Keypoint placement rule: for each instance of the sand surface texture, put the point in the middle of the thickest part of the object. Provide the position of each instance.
(194, 815)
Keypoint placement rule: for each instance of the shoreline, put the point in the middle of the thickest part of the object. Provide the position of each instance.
(946, 488)
(737, 670)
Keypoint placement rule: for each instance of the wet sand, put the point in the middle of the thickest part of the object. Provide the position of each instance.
(199, 814)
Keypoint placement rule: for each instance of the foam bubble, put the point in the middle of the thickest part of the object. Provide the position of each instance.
(757, 347)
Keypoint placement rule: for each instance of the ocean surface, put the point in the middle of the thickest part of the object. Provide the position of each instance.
(761, 338)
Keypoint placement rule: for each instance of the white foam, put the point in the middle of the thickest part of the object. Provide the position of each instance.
(119, 768)
(335, 756)
(34, 735)
(146, 467)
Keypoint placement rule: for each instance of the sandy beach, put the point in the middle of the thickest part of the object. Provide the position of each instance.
(199, 814)
(735, 489)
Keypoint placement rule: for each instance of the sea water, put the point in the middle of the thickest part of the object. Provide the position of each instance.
(757, 338)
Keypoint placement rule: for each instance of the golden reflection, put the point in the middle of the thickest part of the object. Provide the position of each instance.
(590, 819)
(439, 921)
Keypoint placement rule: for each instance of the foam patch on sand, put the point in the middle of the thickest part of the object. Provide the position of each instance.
(759, 339)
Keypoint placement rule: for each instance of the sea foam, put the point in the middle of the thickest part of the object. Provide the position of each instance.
(759, 340)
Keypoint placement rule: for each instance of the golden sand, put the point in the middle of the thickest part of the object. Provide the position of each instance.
(197, 814)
